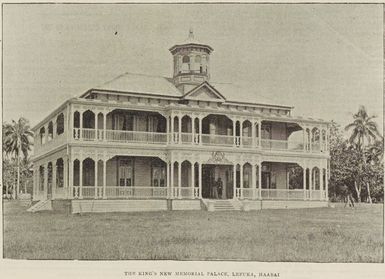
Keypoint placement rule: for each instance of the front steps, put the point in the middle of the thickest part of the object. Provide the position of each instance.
(41, 205)
(223, 205)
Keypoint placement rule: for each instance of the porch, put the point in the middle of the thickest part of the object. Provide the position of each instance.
(141, 177)
(129, 126)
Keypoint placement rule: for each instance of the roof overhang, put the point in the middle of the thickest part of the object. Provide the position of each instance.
(206, 47)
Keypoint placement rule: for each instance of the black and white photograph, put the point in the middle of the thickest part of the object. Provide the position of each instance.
(193, 132)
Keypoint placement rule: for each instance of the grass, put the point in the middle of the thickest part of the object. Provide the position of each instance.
(303, 235)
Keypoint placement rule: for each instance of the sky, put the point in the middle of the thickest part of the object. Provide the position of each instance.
(325, 60)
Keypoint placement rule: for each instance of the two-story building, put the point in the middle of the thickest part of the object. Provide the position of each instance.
(142, 142)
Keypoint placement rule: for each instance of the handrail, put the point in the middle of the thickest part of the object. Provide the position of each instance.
(121, 136)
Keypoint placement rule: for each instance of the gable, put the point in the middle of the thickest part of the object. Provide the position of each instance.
(204, 92)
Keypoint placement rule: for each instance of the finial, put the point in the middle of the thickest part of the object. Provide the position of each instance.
(191, 33)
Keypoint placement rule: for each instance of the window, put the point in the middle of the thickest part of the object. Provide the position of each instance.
(42, 135)
(158, 174)
(186, 59)
(50, 131)
(126, 173)
(60, 124)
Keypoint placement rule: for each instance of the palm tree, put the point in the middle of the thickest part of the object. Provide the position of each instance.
(17, 141)
(364, 132)
(364, 128)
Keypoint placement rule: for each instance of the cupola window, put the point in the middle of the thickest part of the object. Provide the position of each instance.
(185, 64)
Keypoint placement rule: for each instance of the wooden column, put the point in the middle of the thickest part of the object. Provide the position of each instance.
(253, 181)
(234, 132)
(65, 176)
(241, 179)
(168, 179)
(192, 130)
(53, 183)
(320, 180)
(172, 180)
(234, 181)
(327, 183)
(105, 126)
(179, 179)
(81, 125)
(260, 180)
(45, 180)
(304, 182)
(310, 141)
(172, 129)
(96, 125)
(104, 178)
(81, 178)
(71, 178)
(310, 182)
(241, 135)
(200, 130)
(180, 129)
(200, 179)
(96, 178)
(192, 179)
(253, 134)
(260, 134)
(168, 130)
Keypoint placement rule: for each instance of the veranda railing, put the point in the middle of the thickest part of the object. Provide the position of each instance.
(127, 192)
(120, 136)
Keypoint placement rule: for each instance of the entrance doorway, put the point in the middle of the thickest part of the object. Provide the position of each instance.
(211, 175)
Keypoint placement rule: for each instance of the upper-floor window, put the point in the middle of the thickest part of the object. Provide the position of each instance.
(60, 124)
(50, 131)
(186, 59)
(185, 64)
(42, 135)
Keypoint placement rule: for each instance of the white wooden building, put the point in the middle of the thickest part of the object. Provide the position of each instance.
(142, 142)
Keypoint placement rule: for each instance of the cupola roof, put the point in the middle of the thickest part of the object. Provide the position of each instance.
(191, 41)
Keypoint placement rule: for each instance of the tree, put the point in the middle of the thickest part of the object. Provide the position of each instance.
(363, 128)
(364, 132)
(17, 142)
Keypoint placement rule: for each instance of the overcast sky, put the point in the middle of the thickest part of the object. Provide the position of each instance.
(326, 60)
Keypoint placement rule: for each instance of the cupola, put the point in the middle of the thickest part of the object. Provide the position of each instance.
(191, 63)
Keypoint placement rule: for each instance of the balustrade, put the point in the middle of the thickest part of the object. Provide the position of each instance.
(120, 136)
(119, 192)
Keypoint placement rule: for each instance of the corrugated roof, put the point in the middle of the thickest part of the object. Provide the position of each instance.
(141, 83)
(163, 86)
(248, 93)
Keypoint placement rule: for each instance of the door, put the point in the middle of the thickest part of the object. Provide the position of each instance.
(125, 173)
(158, 176)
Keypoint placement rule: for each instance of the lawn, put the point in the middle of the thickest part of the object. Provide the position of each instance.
(312, 235)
